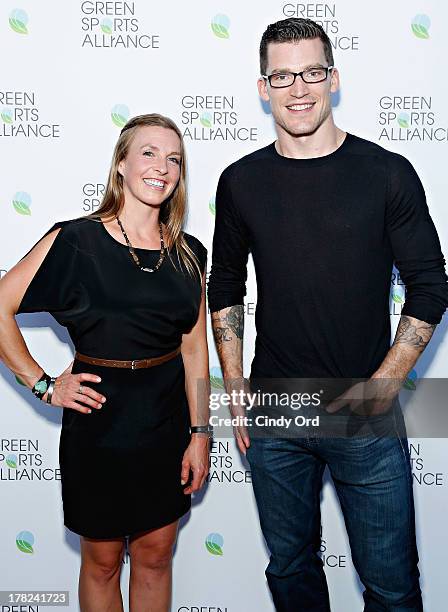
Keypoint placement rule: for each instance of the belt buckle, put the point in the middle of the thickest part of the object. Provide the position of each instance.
(133, 367)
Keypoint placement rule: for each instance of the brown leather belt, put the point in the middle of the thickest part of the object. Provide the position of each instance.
(135, 364)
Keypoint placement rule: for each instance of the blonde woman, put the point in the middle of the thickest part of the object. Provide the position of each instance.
(128, 284)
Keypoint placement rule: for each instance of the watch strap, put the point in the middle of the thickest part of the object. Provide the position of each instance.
(206, 429)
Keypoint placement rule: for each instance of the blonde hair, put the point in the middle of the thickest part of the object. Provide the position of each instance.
(172, 212)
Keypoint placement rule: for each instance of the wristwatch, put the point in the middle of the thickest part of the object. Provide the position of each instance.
(205, 429)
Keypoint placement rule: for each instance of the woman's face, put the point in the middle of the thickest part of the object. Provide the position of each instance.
(151, 169)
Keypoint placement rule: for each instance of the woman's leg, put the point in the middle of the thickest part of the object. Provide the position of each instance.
(99, 578)
(151, 554)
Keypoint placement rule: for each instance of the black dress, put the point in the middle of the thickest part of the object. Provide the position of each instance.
(120, 465)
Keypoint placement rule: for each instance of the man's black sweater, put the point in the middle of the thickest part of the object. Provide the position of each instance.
(324, 234)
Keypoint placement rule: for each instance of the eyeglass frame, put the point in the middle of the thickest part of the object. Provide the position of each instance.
(296, 74)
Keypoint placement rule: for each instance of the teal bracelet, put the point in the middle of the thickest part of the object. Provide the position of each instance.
(41, 386)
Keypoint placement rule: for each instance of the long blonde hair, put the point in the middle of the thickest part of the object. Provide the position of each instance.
(172, 212)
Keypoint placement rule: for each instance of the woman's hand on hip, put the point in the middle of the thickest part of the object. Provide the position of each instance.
(70, 391)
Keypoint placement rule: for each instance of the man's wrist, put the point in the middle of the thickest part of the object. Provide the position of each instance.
(399, 378)
(229, 375)
(388, 384)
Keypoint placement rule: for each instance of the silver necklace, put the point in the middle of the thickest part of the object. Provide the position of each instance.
(134, 254)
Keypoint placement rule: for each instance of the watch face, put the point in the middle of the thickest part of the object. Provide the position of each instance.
(41, 386)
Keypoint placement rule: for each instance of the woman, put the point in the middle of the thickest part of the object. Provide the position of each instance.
(129, 285)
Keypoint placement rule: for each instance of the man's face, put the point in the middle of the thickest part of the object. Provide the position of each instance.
(303, 107)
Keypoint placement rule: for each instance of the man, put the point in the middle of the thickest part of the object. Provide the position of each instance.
(325, 214)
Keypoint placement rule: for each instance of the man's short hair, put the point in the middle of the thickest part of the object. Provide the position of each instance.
(293, 30)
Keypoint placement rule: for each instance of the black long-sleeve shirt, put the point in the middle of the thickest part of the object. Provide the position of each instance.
(324, 234)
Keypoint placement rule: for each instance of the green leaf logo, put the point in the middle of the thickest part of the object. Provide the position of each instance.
(403, 120)
(18, 20)
(120, 115)
(398, 295)
(11, 461)
(216, 380)
(420, 26)
(211, 206)
(214, 543)
(107, 26)
(21, 202)
(6, 115)
(410, 381)
(25, 541)
(220, 26)
(206, 120)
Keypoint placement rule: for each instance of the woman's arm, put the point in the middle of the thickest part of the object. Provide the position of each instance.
(13, 350)
(194, 351)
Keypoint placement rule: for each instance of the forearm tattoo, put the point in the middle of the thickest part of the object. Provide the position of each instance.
(414, 333)
(221, 334)
(235, 320)
(231, 321)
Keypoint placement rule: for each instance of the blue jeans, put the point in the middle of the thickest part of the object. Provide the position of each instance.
(373, 481)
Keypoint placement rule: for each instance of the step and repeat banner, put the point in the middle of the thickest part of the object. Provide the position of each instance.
(72, 74)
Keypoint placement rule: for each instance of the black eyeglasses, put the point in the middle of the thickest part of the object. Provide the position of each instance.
(286, 79)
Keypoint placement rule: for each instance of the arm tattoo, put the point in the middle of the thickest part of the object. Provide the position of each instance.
(232, 321)
(221, 335)
(415, 334)
(235, 320)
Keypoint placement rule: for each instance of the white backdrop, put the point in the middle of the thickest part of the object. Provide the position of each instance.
(71, 74)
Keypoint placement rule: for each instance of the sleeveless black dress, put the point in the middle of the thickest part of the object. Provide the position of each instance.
(120, 465)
